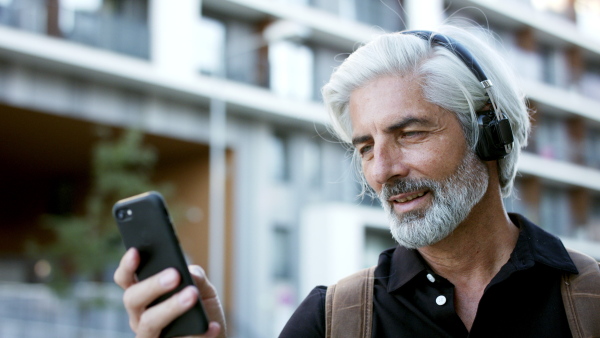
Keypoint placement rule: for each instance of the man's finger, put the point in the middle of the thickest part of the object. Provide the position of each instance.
(207, 290)
(210, 300)
(137, 297)
(125, 274)
(155, 318)
(214, 329)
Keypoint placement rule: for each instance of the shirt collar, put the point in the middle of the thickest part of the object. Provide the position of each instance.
(539, 246)
(405, 265)
(534, 245)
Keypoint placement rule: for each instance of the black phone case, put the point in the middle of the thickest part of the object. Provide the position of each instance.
(145, 224)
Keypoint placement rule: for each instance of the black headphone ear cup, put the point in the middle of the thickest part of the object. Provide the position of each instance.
(495, 136)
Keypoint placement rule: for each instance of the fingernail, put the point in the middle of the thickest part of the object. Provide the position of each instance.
(188, 296)
(196, 270)
(168, 278)
(130, 260)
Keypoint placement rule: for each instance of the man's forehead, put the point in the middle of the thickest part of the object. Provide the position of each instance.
(387, 92)
(397, 119)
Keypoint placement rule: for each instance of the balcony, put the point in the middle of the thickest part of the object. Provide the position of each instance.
(33, 310)
(114, 31)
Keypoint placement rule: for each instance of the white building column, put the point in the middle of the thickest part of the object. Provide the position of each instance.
(424, 14)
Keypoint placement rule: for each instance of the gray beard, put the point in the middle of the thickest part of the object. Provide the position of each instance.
(453, 199)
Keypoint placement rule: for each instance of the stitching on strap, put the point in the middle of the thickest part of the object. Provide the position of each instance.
(569, 306)
(368, 319)
(329, 309)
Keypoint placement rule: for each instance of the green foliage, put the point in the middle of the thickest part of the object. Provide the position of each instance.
(87, 245)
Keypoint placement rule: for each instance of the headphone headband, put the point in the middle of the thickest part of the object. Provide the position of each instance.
(455, 47)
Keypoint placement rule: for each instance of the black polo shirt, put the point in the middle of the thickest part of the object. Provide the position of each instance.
(410, 300)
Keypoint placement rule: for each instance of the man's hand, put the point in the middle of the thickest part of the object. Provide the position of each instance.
(148, 322)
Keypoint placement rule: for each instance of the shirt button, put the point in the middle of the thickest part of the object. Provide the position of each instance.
(440, 300)
(430, 277)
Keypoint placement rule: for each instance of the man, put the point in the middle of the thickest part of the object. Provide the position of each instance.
(417, 109)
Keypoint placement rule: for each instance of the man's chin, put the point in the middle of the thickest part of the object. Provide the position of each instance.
(407, 218)
(414, 231)
(415, 240)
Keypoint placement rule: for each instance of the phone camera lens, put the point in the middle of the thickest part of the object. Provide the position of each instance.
(124, 214)
(121, 214)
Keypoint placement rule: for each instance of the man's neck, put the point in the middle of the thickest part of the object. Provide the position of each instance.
(473, 254)
(476, 249)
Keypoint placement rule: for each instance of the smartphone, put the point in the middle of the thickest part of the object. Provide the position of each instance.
(145, 224)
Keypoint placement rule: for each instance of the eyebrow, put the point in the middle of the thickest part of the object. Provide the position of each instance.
(410, 120)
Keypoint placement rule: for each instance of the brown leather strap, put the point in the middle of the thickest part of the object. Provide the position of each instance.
(349, 306)
(581, 296)
(349, 303)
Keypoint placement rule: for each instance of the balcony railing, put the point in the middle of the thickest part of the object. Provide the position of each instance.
(33, 310)
(99, 29)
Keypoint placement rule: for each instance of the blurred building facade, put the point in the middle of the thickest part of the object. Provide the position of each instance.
(228, 92)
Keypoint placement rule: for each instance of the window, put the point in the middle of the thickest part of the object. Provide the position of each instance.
(555, 211)
(326, 59)
(552, 138)
(231, 48)
(594, 219)
(281, 158)
(332, 6)
(591, 148)
(527, 63)
(27, 15)
(70, 7)
(376, 240)
(312, 164)
(291, 70)
(516, 203)
(282, 245)
(244, 54)
(366, 199)
(559, 7)
(211, 49)
(554, 66)
(589, 83)
(381, 13)
(120, 26)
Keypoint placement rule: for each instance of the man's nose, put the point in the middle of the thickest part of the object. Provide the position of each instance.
(388, 163)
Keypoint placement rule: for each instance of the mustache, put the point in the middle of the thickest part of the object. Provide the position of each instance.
(401, 186)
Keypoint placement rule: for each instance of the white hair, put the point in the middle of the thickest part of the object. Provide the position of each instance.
(445, 81)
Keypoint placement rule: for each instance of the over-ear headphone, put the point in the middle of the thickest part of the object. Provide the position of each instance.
(495, 134)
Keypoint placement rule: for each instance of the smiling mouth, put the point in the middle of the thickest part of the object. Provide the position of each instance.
(411, 197)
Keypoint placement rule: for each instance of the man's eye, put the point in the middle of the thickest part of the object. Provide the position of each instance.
(412, 133)
(364, 149)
